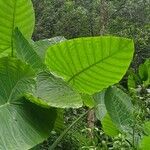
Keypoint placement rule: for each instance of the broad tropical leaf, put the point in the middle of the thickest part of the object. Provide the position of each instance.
(14, 13)
(26, 53)
(22, 123)
(53, 91)
(119, 107)
(109, 127)
(91, 64)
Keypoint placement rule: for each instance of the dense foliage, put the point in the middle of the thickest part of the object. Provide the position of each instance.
(48, 87)
(71, 18)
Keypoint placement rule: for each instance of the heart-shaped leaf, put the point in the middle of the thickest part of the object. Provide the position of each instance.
(91, 64)
(22, 123)
(120, 108)
(53, 91)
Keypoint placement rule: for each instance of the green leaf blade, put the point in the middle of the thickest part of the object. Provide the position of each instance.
(109, 127)
(119, 107)
(54, 92)
(91, 64)
(13, 83)
(13, 14)
(23, 124)
(26, 53)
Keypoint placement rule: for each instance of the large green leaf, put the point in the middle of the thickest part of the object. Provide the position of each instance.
(53, 91)
(120, 108)
(22, 123)
(26, 52)
(91, 64)
(14, 13)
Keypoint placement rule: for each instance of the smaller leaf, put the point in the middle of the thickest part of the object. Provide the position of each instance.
(53, 91)
(26, 53)
(109, 127)
(120, 108)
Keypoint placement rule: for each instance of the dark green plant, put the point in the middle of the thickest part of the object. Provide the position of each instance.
(39, 78)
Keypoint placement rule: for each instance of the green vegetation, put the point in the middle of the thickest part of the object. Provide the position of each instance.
(85, 93)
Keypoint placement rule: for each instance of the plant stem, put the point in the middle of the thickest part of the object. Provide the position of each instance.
(53, 146)
(90, 123)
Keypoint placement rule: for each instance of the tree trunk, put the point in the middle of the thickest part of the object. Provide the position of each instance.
(103, 16)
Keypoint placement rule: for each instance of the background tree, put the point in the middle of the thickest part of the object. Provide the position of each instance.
(76, 18)
(80, 18)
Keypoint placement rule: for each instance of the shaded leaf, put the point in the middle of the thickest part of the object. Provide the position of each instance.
(26, 53)
(100, 108)
(41, 46)
(23, 124)
(53, 91)
(120, 108)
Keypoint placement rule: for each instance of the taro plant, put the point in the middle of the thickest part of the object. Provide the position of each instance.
(128, 114)
(38, 78)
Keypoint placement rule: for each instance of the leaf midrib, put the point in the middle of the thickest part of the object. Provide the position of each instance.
(90, 66)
